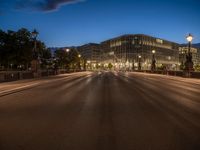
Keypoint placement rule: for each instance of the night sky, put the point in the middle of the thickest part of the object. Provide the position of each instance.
(76, 22)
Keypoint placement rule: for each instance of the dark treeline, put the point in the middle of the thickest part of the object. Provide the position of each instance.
(69, 60)
(17, 52)
(16, 49)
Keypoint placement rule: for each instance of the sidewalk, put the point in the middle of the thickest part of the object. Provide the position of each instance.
(178, 78)
(6, 88)
(15, 86)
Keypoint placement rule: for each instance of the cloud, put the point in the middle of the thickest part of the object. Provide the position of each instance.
(43, 5)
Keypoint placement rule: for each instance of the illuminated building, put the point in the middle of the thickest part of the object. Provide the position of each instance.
(183, 50)
(91, 53)
(137, 52)
(131, 51)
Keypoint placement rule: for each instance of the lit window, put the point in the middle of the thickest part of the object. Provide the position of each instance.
(159, 41)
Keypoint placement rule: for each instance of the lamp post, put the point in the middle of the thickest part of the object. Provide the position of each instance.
(80, 63)
(11, 66)
(189, 65)
(88, 67)
(139, 62)
(34, 35)
(35, 62)
(67, 65)
(153, 65)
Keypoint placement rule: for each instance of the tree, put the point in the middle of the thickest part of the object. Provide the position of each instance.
(8, 46)
(197, 67)
(182, 66)
(44, 55)
(2, 50)
(61, 57)
(24, 49)
(68, 60)
(16, 48)
(110, 66)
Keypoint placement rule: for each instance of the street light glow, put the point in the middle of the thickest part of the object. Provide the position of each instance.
(67, 50)
(79, 55)
(153, 51)
(189, 38)
(34, 33)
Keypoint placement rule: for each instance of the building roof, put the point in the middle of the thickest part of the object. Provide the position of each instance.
(127, 35)
(90, 44)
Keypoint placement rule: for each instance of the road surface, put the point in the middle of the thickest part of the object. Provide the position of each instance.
(102, 111)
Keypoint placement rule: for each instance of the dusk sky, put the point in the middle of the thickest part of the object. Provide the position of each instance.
(77, 22)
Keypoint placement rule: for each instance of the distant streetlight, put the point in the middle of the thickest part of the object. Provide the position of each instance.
(189, 65)
(11, 66)
(79, 63)
(139, 62)
(67, 50)
(153, 65)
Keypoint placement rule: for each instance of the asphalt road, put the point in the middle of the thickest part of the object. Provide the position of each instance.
(103, 111)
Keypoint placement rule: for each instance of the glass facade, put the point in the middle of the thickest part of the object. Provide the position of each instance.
(127, 49)
(131, 52)
(195, 55)
(90, 52)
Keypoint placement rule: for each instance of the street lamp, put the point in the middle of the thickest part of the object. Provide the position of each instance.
(67, 50)
(153, 65)
(139, 64)
(34, 35)
(11, 66)
(35, 62)
(189, 38)
(79, 63)
(189, 65)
